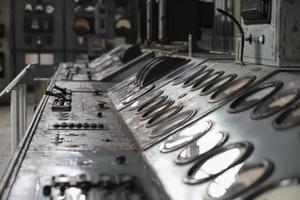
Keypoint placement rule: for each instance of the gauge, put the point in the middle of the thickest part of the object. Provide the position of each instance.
(232, 88)
(162, 117)
(288, 189)
(180, 79)
(217, 84)
(123, 24)
(206, 80)
(207, 169)
(289, 118)
(138, 94)
(198, 76)
(146, 99)
(201, 147)
(157, 109)
(28, 7)
(90, 8)
(39, 8)
(275, 104)
(185, 136)
(255, 96)
(235, 181)
(50, 9)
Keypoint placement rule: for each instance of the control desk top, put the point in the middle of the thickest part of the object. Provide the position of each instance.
(178, 128)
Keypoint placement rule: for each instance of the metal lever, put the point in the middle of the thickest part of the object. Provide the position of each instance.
(58, 95)
(63, 90)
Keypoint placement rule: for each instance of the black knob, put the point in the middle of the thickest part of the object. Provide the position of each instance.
(71, 125)
(121, 160)
(47, 190)
(93, 125)
(64, 125)
(56, 125)
(100, 125)
(79, 125)
(86, 125)
(99, 114)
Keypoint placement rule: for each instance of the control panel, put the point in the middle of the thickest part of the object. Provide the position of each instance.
(271, 41)
(39, 35)
(179, 128)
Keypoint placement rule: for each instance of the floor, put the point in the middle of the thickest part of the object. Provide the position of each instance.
(5, 149)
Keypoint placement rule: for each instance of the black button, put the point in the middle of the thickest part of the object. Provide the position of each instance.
(64, 125)
(99, 114)
(121, 160)
(100, 125)
(79, 125)
(86, 125)
(93, 125)
(71, 125)
(56, 125)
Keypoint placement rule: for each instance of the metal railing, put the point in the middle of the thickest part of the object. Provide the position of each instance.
(17, 90)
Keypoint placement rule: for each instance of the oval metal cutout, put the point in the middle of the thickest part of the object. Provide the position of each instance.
(207, 169)
(217, 84)
(180, 71)
(151, 104)
(254, 96)
(144, 100)
(197, 77)
(163, 116)
(206, 80)
(201, 147)
(157, 109)
(275, 104)
(173, 123)
(232, 89)
(185, 136)
(235, 181)
(289, 118)
(138, 94)
(180, 79)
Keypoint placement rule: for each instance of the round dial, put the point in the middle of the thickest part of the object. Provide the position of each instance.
(50, 9)
(28, 7)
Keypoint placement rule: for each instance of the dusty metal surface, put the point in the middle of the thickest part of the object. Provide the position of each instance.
(72, 151)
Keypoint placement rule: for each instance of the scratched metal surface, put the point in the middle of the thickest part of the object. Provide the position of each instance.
(281, 147)
(191, 101)
(91, 152)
